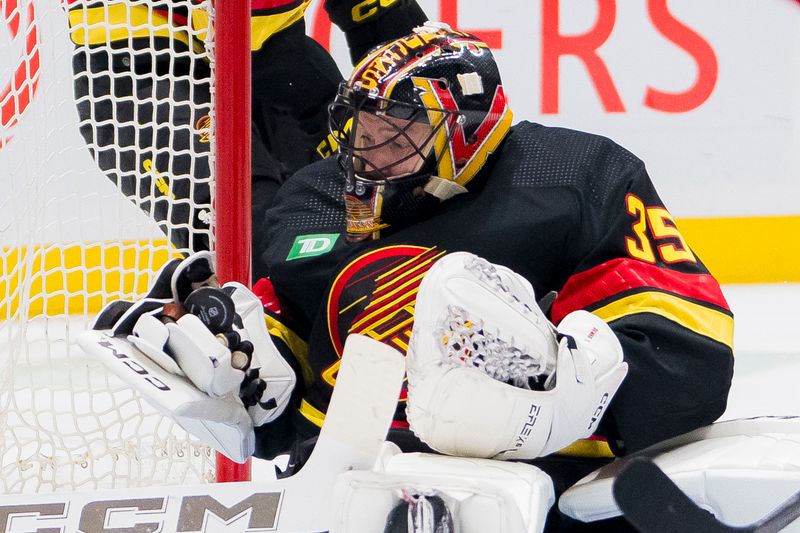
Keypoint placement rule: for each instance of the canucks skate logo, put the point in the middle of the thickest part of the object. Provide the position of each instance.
(375, 295)
(203, 129)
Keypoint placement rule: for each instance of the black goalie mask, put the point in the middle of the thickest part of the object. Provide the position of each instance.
(386, 150)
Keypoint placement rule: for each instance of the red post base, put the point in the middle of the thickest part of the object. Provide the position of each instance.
(228, 470)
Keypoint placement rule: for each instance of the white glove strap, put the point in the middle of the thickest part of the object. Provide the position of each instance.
(587, 377)
(588, 373)
(150, 335)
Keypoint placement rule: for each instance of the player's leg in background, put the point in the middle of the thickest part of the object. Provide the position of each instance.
(294, 80)
(144, 116)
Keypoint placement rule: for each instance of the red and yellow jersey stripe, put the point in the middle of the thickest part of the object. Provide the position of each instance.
(624, 287)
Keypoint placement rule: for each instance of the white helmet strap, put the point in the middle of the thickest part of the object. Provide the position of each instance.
(442, 188)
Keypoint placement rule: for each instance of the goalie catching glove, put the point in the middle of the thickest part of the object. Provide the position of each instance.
(489, 376)
(216, 337)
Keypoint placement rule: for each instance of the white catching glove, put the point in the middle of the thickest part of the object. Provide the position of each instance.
(487, 375)
(216, 337)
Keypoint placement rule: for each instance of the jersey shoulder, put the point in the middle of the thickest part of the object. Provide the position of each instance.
(537, 156)
(310, 202)
(311, 199)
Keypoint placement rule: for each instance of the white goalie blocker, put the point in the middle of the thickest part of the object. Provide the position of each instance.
(221, 423)
(475, 495)
(739, 470)
(163, 346)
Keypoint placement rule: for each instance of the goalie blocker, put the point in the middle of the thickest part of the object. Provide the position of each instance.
(200, 353)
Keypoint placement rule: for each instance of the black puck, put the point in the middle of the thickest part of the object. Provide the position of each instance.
(214, 308)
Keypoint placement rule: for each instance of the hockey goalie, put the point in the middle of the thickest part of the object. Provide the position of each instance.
(442, 231)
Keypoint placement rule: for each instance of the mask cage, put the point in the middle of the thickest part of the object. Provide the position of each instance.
(343, 121)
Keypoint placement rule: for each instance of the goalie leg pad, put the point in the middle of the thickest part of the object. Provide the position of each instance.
(475, 495)
(739, 470)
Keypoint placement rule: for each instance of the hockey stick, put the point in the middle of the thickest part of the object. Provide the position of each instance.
(652, 502)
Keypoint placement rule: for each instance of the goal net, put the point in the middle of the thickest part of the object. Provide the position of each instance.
(108, 150)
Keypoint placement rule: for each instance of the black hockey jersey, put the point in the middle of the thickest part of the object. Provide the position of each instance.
(571, 212)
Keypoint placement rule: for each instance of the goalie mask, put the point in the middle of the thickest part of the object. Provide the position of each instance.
(415, 123)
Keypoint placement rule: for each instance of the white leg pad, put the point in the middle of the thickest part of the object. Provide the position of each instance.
(739, 470)
(481, 494)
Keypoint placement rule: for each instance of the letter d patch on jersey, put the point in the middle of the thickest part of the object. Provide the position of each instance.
(312, 245)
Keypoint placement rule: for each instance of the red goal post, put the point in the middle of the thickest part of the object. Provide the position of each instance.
(233, 165)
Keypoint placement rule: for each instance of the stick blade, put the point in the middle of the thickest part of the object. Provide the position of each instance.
(652, 502)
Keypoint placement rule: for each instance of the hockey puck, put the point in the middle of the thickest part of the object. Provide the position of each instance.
(214, 308)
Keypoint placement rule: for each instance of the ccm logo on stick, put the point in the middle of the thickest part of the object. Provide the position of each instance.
(134, 366)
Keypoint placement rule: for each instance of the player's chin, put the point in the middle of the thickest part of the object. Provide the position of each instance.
(400, 170)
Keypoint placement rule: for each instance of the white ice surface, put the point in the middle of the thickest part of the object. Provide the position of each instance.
(766, 379)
